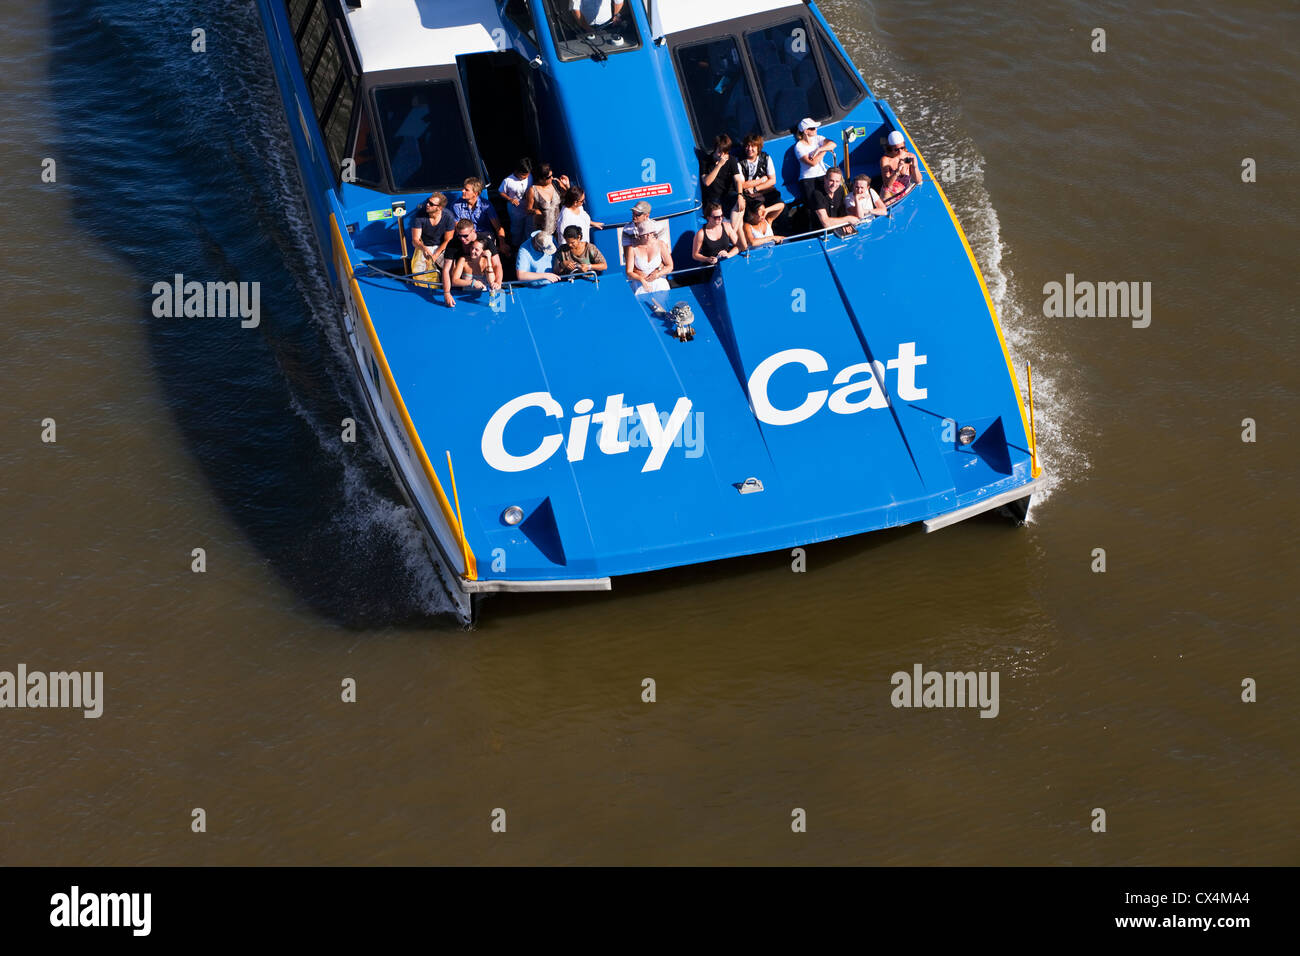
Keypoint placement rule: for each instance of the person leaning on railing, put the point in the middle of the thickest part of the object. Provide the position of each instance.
(536, 261)
(478, 269)
(863, 201)
(458, 248)
(716, 239)
(578, 255)
(758, 227)
(829, 205)
(899, 169)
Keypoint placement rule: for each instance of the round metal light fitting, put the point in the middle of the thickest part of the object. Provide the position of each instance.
(966, 435)
(513, 515)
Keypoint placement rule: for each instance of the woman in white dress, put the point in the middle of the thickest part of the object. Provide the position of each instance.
(649, 261)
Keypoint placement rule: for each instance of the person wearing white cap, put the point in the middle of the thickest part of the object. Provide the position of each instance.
(899, 170)
(811, 148)
(536, 260)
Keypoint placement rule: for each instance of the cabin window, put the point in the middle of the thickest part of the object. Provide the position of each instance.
(335, 128)
(364, 154)
(591, 28)
(296, 10)
(312, 33)
(848, 88)
(424, 133)
(718, 89)
(787, 69)
(324, 75)
(518, 13)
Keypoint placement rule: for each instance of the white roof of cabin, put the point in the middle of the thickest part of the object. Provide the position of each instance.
(399, 34)
(673, 16)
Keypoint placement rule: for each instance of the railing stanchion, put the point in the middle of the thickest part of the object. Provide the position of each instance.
(1033, 429)
(464, 545)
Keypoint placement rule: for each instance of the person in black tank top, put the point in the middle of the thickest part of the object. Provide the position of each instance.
(717, 239)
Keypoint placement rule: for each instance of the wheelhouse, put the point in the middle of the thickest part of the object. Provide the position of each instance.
(761, 73)
(387, 91)
(599, 33)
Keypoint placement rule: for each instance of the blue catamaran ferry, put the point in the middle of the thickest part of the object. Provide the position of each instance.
(555, 434)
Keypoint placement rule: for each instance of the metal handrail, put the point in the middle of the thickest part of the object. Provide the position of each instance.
(513, 283)
(672, 215)
(595, 277)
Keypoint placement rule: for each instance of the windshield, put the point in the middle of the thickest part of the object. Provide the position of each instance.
(592, 28)
(718, 89)
(424, 134)
(787, 69)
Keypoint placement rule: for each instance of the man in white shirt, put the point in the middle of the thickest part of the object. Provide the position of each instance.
(595, 13)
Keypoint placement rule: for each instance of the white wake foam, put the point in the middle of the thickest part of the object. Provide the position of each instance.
(931, 114)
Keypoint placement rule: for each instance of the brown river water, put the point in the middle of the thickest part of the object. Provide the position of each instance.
(1118, 690)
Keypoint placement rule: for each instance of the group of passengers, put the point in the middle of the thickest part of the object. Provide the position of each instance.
(899, 171)
(550, 229)
(461, 247)
(742, 203)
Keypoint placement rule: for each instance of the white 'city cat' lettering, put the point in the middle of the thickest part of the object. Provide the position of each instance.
(610, 420)
(839, 400)
(861, 388)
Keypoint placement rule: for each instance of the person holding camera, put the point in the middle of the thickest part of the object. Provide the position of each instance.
(899, 169)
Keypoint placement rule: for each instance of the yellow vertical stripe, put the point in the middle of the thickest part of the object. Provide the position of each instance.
(340, 255)
(1006, 354)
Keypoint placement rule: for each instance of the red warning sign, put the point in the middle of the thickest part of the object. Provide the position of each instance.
(640, 192)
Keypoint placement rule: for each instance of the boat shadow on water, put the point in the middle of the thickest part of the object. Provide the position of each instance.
(175, 162)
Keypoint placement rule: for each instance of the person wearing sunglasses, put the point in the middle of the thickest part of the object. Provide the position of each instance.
(717, 239)
(816, 154)
(899, 169)
(432, 227)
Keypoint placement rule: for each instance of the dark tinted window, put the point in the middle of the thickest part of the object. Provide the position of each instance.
(596, 32)
(296, 9)
(718, 90)
(329, 65)
(365, 154)
(314, 28)
(424, 133)
(518, 13)
(337, 123)
(848, 88)
(787, 70)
